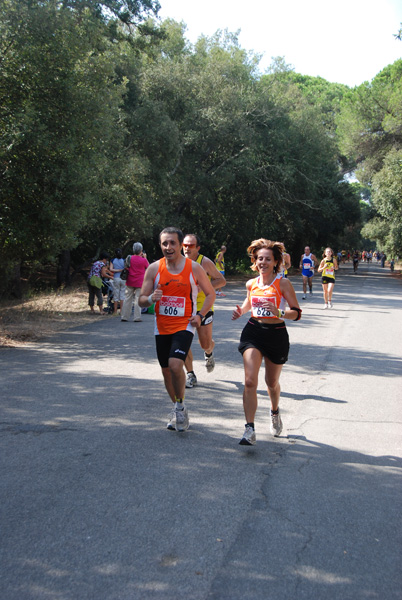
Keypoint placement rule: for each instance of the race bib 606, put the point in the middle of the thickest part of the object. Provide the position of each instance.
(172, 306)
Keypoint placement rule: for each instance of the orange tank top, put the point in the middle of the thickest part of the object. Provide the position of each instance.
(179, 299)
(259, 294)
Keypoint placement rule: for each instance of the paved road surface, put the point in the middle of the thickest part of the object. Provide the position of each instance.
(100, 502)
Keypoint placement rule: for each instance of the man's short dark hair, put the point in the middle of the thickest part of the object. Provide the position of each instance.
(197, 238)
(175, 230)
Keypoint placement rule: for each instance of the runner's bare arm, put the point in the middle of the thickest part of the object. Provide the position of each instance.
(289, 294)
(148, 287)
(217, 279)
(205, 285)
(246, 306)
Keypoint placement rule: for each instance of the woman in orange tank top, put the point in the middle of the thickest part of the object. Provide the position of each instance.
(265, 335)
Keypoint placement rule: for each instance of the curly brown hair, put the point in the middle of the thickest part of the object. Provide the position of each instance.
(277, 250)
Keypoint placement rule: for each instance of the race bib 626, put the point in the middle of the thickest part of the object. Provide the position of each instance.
(259, 308)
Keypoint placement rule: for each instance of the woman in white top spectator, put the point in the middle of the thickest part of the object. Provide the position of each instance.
(119, 285)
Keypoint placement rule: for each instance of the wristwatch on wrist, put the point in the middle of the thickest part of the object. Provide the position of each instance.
(281, 314)
(200, 315)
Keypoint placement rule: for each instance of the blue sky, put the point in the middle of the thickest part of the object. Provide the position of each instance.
(348, 41)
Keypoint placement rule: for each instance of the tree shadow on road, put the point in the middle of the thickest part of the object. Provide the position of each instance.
(115, 506)
(323, 526)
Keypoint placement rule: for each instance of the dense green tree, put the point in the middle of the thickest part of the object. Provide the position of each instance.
(370, 131)
(61, 128)
(317, 204)
(60, 120)
(129, 12)
(243, 158)
(318, 92)
(109, 133)
(386, 229)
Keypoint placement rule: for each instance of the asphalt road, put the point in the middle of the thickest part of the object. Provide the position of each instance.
(99, 501)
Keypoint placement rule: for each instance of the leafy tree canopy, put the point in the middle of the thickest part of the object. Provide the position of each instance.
(109, 133)
(370, 131)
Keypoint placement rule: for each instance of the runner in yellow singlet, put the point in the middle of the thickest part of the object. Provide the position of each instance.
(220, 265)
(327, 267)
(191, 249)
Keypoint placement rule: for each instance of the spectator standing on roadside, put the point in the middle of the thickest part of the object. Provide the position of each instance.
(119, 285)
(136, 264)
(98, 270)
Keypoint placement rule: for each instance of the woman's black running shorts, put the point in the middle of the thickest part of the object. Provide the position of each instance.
(272, 340)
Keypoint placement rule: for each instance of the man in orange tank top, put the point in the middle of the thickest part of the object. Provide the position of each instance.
(172, 284)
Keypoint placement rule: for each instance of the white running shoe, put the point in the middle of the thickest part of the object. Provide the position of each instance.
(172, 421)
(209, 362)
(191, 380)
(276, 425)
(325, 306)
(304, 297)
(330, 305)
(249, 438)
(182, 422)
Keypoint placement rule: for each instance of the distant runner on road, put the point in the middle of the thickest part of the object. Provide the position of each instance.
(307, 264)
(220, 265)
(327, 267)
(286, 262)
(356, 258)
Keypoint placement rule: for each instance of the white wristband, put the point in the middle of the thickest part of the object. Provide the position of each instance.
(150, 299)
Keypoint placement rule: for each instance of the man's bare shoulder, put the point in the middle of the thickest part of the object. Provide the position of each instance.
(207, 264)
(153, 268)
(197, 268)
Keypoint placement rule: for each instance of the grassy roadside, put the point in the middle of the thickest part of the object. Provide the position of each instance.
(43, 314)
(46, 313)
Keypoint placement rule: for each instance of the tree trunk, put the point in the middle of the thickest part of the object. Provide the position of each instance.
(16, 289)
(63, 269)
